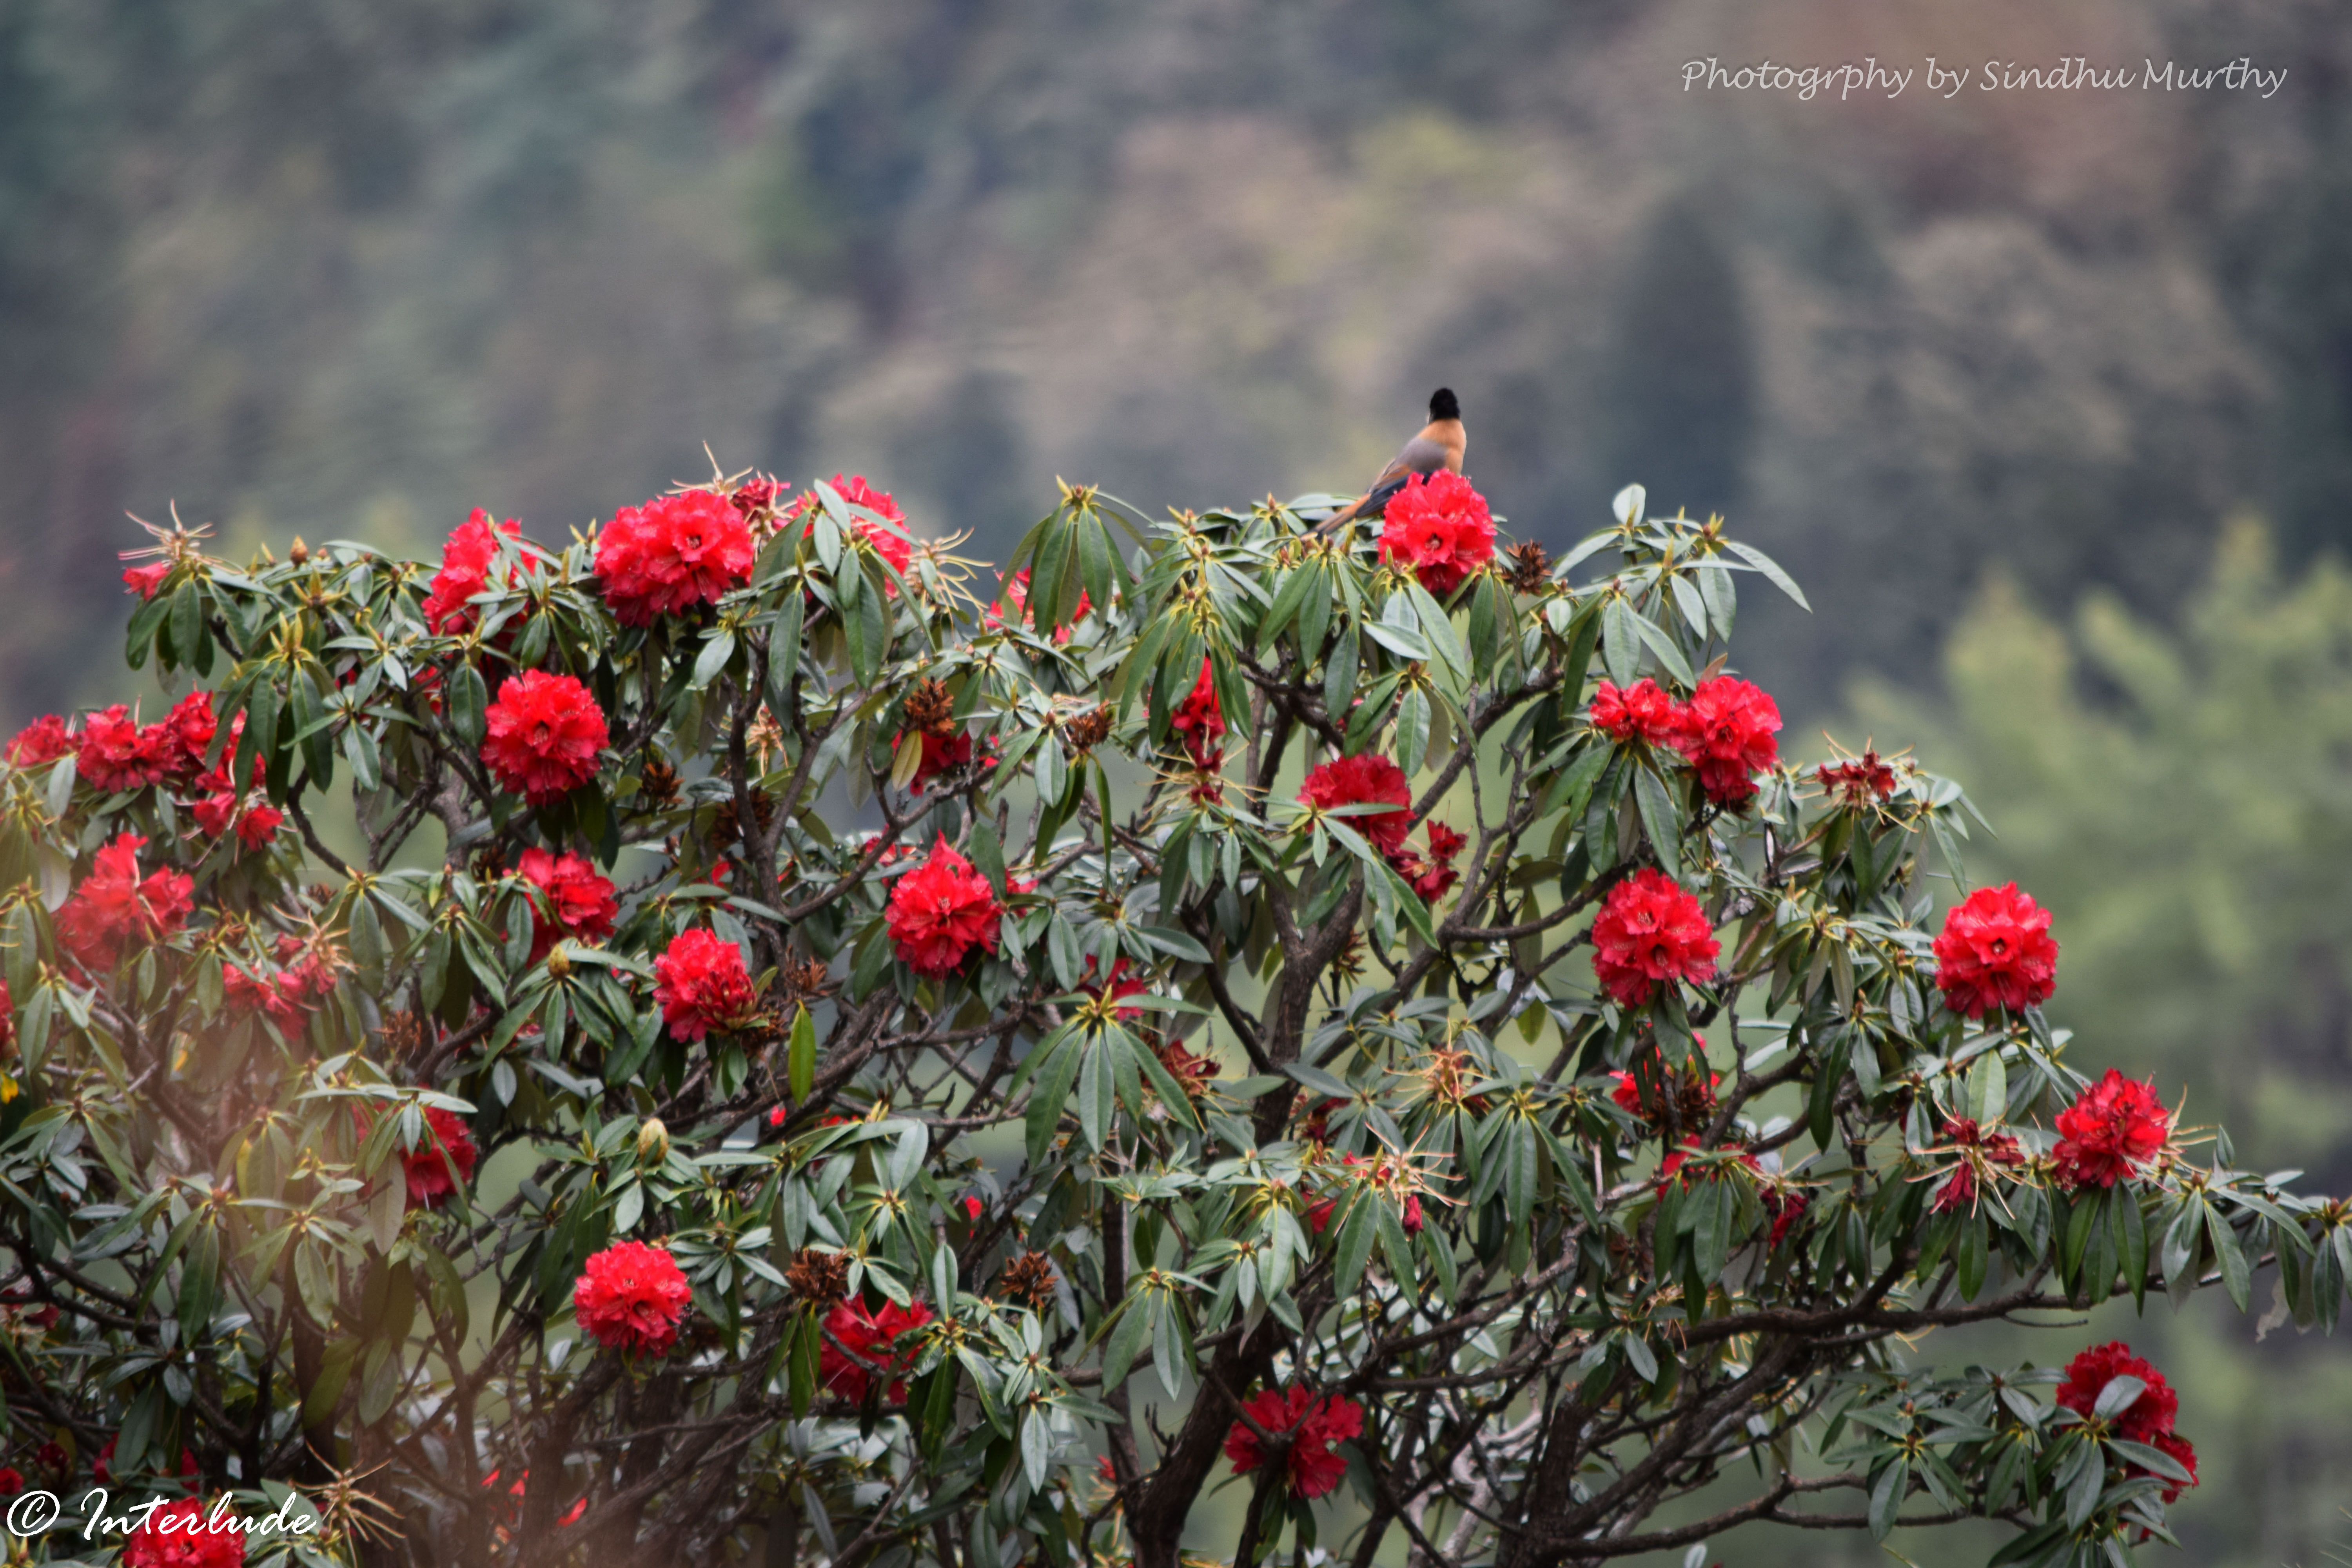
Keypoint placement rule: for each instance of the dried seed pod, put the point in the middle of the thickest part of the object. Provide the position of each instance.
(818, 1277)
(1029, 1279)
(931, 710)
(1530, 567)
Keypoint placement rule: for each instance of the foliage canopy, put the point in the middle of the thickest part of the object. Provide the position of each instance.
(894, 1175)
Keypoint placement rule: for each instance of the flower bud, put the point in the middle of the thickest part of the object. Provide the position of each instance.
(558, 967)
(298, 552)
(652, 1141)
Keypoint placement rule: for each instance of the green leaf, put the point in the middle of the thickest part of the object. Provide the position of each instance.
(1886, 1498)
(2235, 1276)
(1621, 646)
(800, 1056)
(1772, 570)
(1048, 1097)
(1660, 816)
(713, 658)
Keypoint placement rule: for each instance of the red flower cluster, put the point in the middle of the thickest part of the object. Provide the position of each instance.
(579, 902)
(1858, 781)
(287, 995)
(940, 911)
(1440, 527)
(2113, 1127)
(888, 537)
(871, 1337)
(670, 554)
(1432, 876)
(1726, 733)
(434, 1174)
(543, 735)
(115, 751)
(1364, 779)
(145, 581)
(1314, 1422)
(223, 806)
(1200, 722)
(180, 1535)
(941, 752)
(1995, 950)
(631, 1297)
(41, 742)
(1642, 711)
(465, 571)
(1979, 1147)
(2147, 1419)
(701, 984)
(114, 907)
(1651, 930)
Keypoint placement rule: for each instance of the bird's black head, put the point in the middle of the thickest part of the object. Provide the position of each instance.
(1444, 405)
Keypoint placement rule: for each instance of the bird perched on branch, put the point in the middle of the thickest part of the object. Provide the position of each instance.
(1439, 444)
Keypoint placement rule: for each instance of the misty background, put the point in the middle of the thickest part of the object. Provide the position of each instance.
(2045, 397)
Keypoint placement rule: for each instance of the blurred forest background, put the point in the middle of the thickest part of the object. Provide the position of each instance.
(2045, 397)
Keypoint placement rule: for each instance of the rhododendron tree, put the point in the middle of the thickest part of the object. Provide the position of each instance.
(1343, 1009)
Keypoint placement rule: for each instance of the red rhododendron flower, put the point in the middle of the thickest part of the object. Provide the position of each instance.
(940, 911)
(1726, 733)
(12, 1480)
(2088, 1374)
(889, 537)
(465, 571)
(436, 1173)
(1432, 876)
(941, 752)
(1979, 1147)
(869, 1336)
(579, 902)
(1411, 1219)
(1995, 950)
(631, 1297)
(544, 732)
(2147, 1419)
(1858, 781)
(185, 734)
(42, 741)
(703, 985)
(1439, 526)
(1642, 711)
(1200, 722)
(283, 997)
(117, 755)
(755, 495)
(2113, 1126)
(114, 907)
(145, 581)
(1362, 781)
(1651, 930)
(1314, 1421)
(571, 1515)
(670, 554)
(176, 1536)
